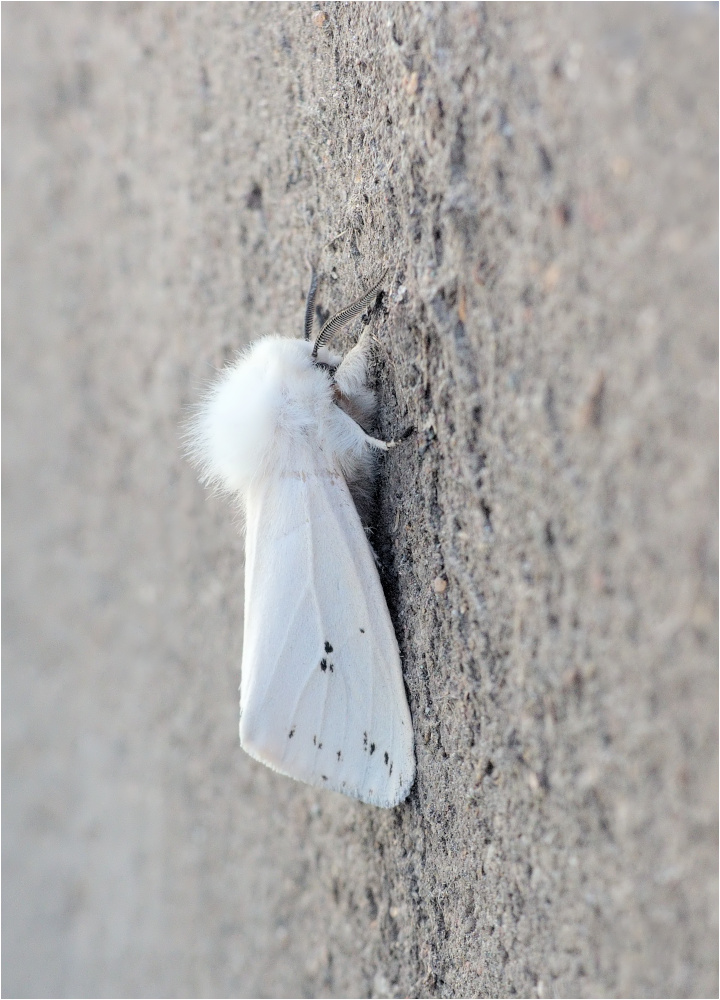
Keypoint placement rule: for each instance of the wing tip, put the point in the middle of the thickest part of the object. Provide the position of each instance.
(383, 798)
(387, 800)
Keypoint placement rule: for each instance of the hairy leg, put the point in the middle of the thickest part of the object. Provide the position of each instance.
(355, 397)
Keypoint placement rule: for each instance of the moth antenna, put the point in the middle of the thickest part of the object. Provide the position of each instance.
(339, 320)
(310, 301)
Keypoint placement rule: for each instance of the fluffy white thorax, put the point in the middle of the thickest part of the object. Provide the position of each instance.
(273, 409)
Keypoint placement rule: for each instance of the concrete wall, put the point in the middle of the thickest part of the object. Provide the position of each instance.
(542, 181)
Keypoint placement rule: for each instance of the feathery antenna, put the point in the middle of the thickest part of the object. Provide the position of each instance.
(310, 301)
(341, 319)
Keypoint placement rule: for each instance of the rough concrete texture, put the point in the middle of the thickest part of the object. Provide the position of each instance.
(542, 181)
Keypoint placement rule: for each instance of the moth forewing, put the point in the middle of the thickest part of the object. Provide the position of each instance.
(322, 694)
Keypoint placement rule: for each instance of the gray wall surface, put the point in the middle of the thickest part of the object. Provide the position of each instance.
(542, 181)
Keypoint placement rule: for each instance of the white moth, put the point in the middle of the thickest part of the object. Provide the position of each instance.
(321, 694)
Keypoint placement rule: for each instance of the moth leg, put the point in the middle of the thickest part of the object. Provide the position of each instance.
(354, 395)
(361, 471)
(380, 445)
(357, 458)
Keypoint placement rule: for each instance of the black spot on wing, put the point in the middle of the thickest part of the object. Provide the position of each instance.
(323, 664)
(291, 733)
(372, 749)
(365, 740)
(324, 777)
(386, 758)
(363, 631)
(339, 754)
(328, 647)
